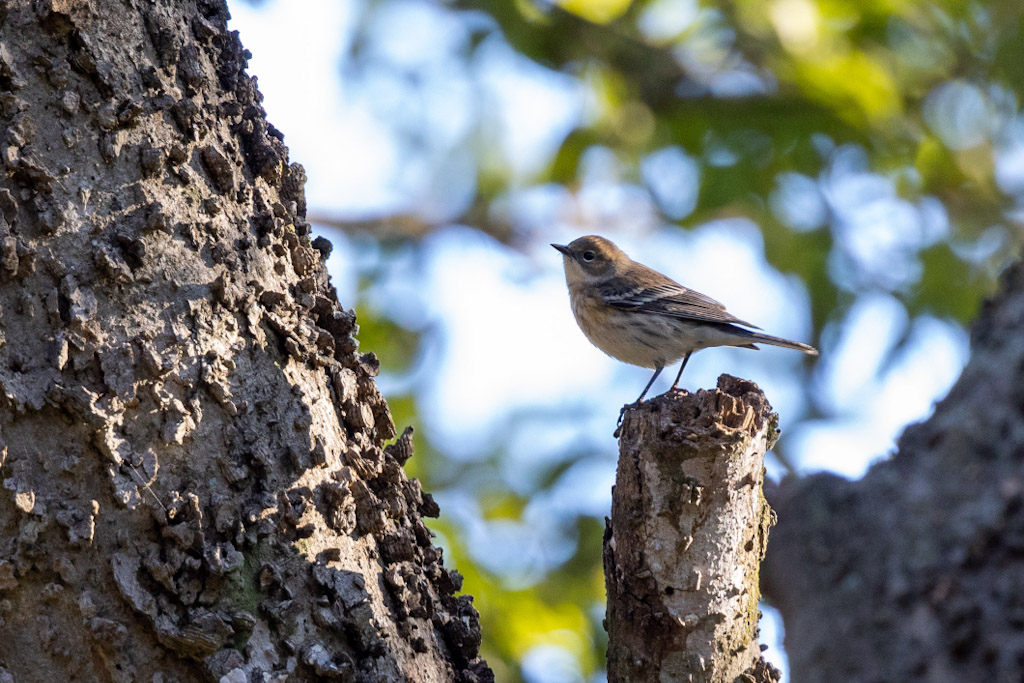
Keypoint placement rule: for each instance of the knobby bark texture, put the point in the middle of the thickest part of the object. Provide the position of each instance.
(195, 481)
(916, 572)
(688, 531)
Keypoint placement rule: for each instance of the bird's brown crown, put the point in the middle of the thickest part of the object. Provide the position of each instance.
(595, 249)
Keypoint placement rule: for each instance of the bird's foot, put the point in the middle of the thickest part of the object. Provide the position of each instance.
(622, 414)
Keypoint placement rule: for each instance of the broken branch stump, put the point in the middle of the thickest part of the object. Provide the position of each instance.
(688, 530)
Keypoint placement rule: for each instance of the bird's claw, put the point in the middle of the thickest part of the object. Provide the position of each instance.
(622, 414)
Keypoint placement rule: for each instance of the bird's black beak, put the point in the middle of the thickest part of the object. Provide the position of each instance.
(562, 248)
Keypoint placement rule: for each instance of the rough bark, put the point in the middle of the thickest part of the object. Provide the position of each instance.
(195, 483)
(687, 534)
(916, 572)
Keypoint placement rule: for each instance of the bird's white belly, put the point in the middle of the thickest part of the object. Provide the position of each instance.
(646, 339)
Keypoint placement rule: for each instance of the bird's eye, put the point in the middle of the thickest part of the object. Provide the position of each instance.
(589, 256)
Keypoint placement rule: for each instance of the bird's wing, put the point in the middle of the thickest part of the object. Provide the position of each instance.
(668, 298)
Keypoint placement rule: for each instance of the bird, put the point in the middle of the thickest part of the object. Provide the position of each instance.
(639, 316)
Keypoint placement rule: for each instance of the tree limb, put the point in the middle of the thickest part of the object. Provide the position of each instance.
(916, 568)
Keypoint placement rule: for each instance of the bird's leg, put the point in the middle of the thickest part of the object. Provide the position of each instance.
(657, 371)
(685, 359)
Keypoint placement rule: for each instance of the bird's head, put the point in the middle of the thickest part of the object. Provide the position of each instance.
(590, 259)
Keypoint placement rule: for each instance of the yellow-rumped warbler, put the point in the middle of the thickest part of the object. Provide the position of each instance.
(639, 316)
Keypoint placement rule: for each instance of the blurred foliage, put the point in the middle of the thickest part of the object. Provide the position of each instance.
(395, 345)
(798, 114)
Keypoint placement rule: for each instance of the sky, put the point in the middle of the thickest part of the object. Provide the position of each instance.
(506, 340)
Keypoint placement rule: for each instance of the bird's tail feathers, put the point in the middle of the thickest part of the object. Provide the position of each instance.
(785, 343)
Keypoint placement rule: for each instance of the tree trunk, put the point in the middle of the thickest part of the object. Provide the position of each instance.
(687, 534)
(915, 572)
(194, 478)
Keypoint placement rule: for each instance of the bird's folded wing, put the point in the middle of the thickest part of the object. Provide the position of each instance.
(671, 299)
